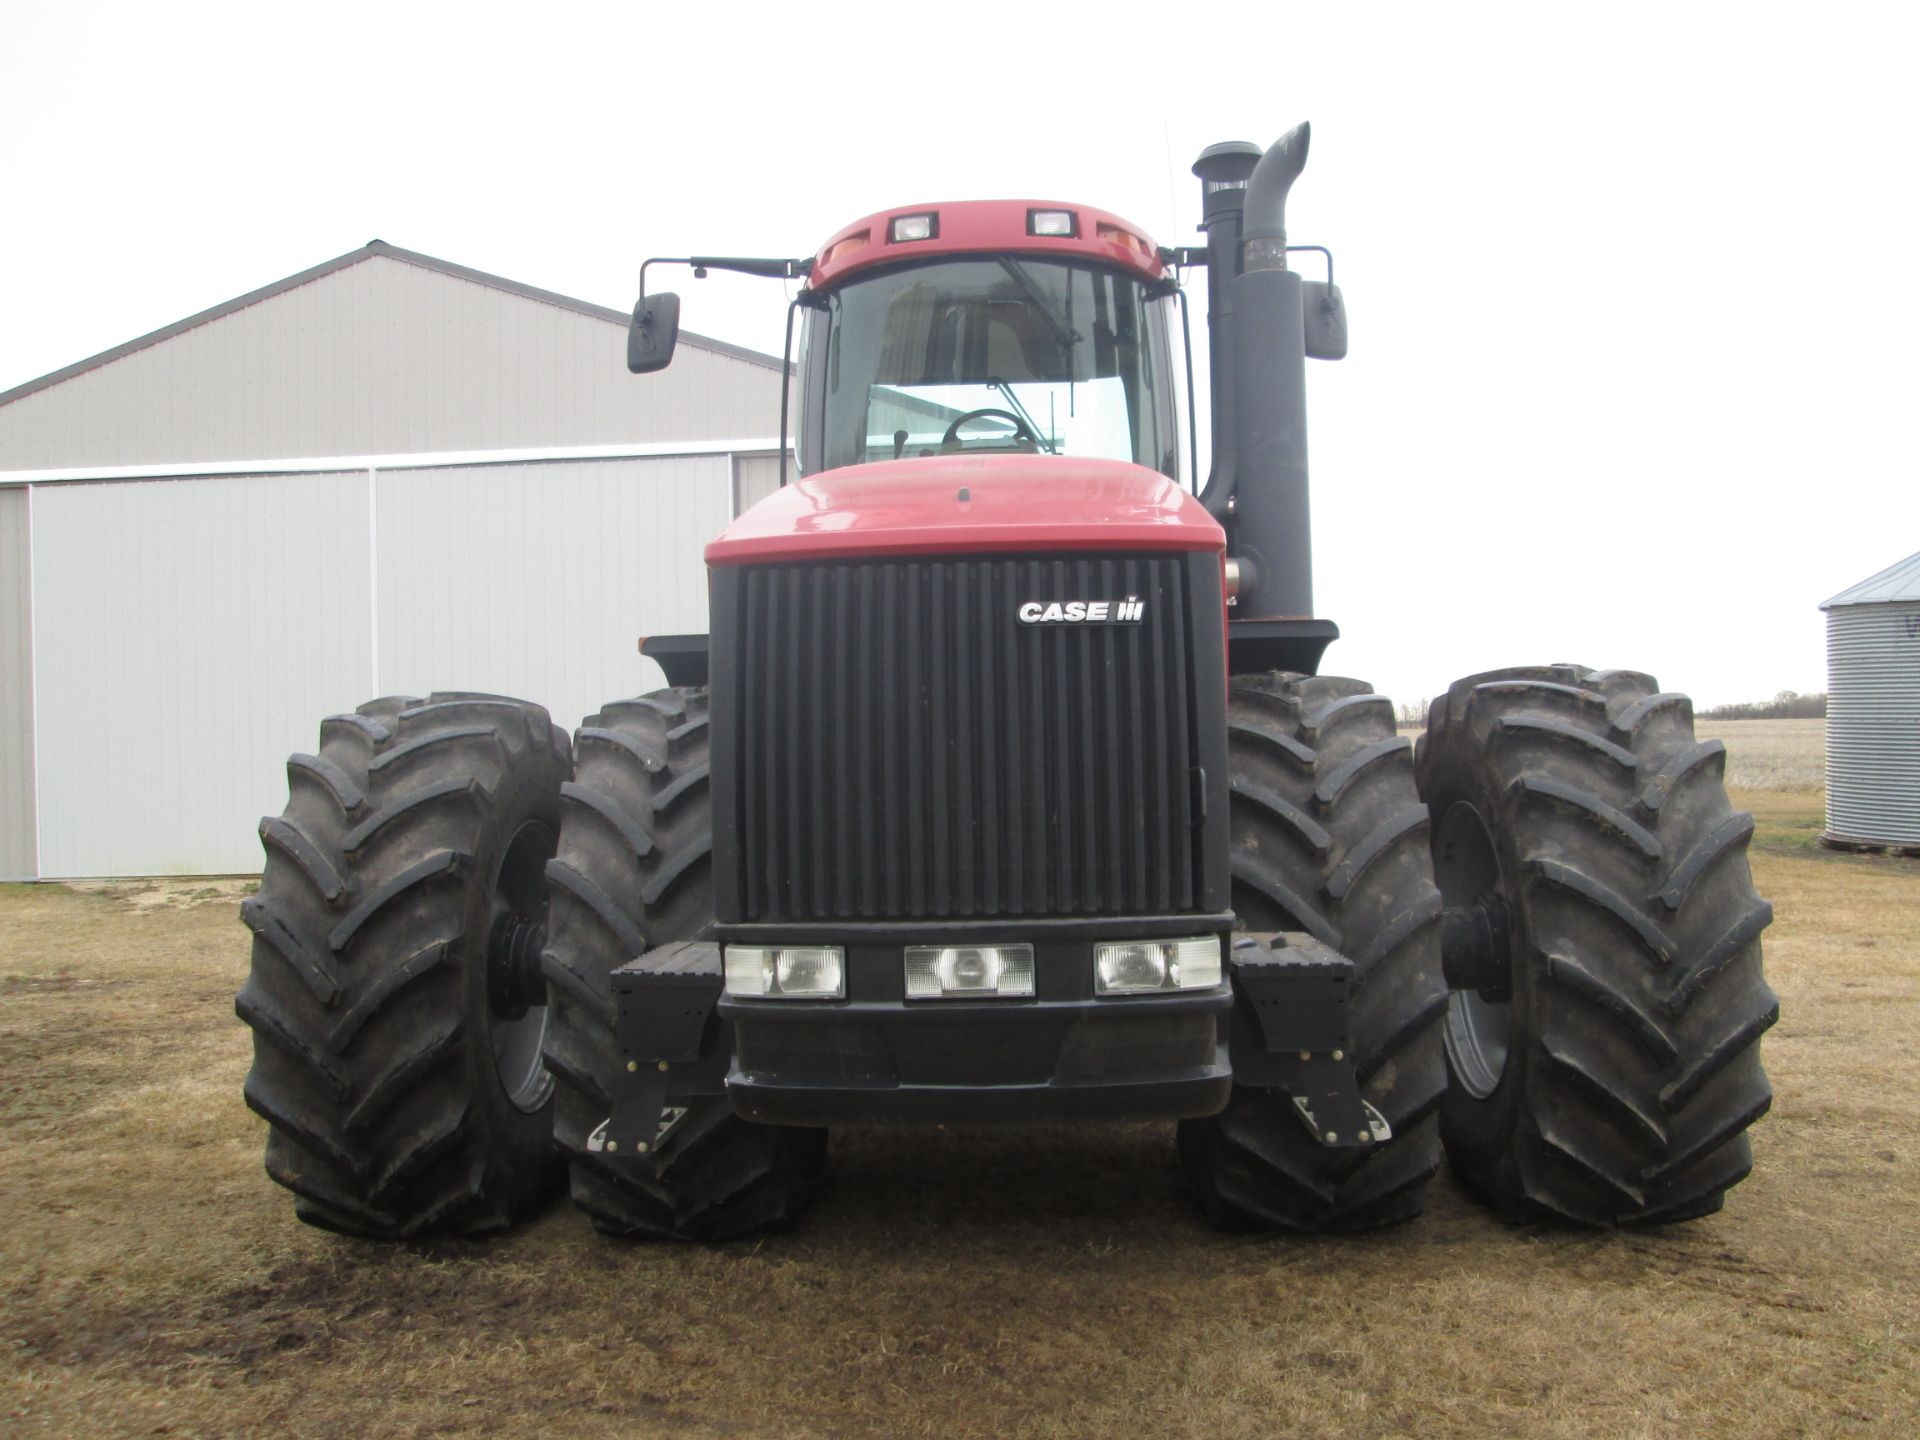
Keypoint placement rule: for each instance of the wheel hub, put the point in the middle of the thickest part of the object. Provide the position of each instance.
(516, 988)
(1474, 950)
(514, 980)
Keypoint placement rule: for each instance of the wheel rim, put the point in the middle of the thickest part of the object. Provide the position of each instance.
(1478, 1029)
(516, 932)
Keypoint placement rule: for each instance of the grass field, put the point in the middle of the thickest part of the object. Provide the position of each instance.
(1047, 1283)
(1788, 755)
(1784, 755)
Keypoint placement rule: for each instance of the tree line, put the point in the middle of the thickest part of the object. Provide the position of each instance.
(1787, 705)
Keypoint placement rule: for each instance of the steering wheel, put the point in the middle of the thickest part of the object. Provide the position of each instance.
(1021, 432)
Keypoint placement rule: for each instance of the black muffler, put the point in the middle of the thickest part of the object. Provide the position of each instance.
(1257, 342)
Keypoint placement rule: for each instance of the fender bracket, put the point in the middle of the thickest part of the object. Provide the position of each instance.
(1290, 1031)
(670, 1035)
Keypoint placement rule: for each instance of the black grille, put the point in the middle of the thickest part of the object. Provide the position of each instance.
(903, 746)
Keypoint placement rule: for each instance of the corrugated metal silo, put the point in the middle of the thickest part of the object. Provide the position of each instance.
(1873, 711)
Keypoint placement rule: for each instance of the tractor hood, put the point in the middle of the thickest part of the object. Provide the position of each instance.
(960, 503)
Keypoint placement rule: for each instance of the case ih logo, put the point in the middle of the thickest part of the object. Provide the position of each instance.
(1083, 612)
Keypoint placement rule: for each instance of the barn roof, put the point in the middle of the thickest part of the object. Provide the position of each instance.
(368, 251)
(1897, 582)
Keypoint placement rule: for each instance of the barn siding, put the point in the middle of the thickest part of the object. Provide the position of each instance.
(192, 632)
(190, 635)
(17, 860)
(754, 478)
(539, 580)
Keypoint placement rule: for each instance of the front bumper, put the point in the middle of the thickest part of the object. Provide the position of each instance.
(876, 1058)
(1153, 1057)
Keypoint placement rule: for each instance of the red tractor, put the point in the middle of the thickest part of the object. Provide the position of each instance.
(1005, 788)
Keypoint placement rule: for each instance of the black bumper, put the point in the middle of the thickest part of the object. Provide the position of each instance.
(1154, 1057)
(876, 1058)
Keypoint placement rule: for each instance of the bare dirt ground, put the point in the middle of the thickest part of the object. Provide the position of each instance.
(1051, 1283)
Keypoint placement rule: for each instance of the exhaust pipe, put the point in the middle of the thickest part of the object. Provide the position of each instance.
(1255, 309)
(1272, 180)
(1224, 170)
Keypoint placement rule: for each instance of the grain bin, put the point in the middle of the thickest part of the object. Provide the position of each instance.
(1873, 712)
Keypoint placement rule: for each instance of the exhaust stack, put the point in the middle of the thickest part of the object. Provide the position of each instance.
(1257, 343)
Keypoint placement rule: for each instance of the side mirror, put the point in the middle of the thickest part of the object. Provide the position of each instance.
(651, 336)
(1326, 316)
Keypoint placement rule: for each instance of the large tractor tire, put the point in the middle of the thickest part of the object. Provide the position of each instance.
(1603, 1032)
(1329, 836)
(395, 994)
(634, 871)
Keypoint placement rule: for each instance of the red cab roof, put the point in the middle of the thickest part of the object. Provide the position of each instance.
(974, 226)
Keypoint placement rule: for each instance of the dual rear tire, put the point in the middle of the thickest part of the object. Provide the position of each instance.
(1591, 1052)
(1609, 1072)
(427, 1023)
(395, 1060)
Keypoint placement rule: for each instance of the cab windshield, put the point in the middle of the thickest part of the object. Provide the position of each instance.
(999, 355)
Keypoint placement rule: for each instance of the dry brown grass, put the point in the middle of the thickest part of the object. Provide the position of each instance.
(1048, 1283)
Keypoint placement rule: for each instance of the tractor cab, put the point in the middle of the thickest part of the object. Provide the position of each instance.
(980, 328)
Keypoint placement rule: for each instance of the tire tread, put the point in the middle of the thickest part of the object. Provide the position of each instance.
(634, 871)
(1626, 1100)
(358, 995)
(1323, 750)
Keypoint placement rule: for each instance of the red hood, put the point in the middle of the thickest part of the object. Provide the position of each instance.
(1012, 502)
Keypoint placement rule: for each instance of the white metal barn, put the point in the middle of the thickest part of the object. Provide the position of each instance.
(387, 474)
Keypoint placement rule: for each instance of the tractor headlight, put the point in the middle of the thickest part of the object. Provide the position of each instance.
(1139, 967)
(801, 972)
(914, 227)
(968, 971)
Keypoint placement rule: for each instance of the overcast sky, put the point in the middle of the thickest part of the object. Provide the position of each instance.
(1632, 289)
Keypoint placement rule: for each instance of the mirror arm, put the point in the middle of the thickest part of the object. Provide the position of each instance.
(1188, 256)
(740, 264)
(1322, 250)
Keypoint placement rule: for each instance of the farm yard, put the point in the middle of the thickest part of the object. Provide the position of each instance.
(1023, 1283)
